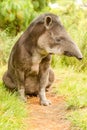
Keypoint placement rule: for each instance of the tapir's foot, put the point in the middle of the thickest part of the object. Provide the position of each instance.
(22, 95)
(23, 98)
(45, 102)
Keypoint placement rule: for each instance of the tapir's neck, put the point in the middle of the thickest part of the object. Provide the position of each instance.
(36, 60)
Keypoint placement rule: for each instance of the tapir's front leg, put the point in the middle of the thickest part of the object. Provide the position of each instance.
(44, 80)
(43, 83)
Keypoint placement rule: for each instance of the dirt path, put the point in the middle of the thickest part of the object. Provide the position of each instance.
(51, 117)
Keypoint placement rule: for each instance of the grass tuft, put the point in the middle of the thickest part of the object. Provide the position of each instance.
(12, 110)
(73, 85)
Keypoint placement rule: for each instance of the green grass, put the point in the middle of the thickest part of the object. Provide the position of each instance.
(79, 119)
(12, 110)
(6, 44)
(73, 85)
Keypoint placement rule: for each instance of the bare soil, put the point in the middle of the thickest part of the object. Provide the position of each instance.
(51, 117)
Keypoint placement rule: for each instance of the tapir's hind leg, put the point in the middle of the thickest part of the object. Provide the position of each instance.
(8, 81)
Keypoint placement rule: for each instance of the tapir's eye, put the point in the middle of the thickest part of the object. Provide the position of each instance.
(58, 40)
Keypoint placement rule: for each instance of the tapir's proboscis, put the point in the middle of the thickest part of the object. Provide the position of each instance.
(29, 69)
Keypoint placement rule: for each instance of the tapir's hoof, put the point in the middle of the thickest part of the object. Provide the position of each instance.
(45, 102)
(24, 99)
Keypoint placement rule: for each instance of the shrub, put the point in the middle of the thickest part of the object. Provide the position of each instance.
(16, 15)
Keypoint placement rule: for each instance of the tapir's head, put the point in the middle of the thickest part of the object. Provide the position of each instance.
(55, 39)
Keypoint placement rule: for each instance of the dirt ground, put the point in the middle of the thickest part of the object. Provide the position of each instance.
(51, 117)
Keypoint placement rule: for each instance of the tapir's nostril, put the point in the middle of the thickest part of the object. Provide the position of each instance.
(80, 58)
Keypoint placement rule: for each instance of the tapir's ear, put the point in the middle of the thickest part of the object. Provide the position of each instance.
(47, 21)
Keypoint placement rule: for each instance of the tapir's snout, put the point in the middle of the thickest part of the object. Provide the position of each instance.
(78, 53)
(72, 50)
(80, 57)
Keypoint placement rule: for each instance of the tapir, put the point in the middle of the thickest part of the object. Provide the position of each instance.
(29, 70)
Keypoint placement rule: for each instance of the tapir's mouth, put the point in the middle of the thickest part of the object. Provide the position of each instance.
(79, 58)
(71, 55)
(68, 53)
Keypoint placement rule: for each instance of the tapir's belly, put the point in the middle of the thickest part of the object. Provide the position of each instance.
(32, 85)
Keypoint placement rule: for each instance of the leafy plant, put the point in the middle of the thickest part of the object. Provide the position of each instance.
(16, 15)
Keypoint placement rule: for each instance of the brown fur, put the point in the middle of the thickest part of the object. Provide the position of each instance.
(29, 63)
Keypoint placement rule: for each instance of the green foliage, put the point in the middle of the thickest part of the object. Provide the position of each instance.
(73, 86)
(6, 44)
(39, 5)
(79, 119)
(12, 111)
(16, 15)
